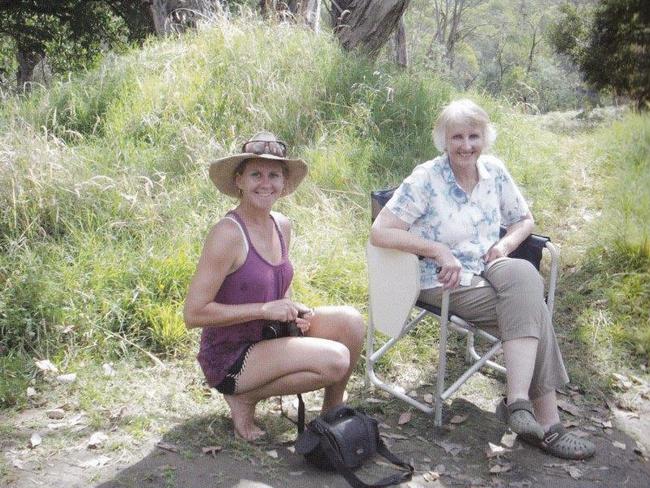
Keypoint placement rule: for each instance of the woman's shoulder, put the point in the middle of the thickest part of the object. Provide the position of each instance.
(430, 168)
(283, 222)
(226, 231)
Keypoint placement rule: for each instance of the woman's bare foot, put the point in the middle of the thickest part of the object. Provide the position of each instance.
(243, 417)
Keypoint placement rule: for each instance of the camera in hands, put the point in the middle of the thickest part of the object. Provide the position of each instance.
(274, 329)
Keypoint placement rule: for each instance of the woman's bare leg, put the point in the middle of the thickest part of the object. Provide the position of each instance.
(346, 326)
(281, 367)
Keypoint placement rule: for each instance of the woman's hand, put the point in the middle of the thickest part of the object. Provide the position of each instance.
(304, 320)
(283, 310)
(498, 250)
(449, 268)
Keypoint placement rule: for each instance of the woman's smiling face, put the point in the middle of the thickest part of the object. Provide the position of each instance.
(261, 182)
(464, 143)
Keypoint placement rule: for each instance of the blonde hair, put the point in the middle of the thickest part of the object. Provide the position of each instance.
(463, 111)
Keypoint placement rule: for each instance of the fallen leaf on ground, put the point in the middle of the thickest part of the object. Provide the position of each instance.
(569, 408)
(494, 451)
(574, 472)
(620, 445)
(404, 418)
(166, 446)
(393, 436)
(67, 378)
(18, 464)
(46, 366)
(55, 413)
(451, 448)
(75, 420)
(96, 440)
(570, 423)
(431, 476)
(501, 468)
(95, 462)
(31, 391)
(374, 400)
(458, 419)
(508, 439)
(428, 397)
(273, 453)
(296, 473)
(35, 440)
(212, 450)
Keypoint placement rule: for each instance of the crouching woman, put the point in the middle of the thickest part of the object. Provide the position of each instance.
(242, 286)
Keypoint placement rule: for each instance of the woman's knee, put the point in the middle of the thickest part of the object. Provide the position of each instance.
(517, 273)
(337, 363)
(354, 324)
(347, 325)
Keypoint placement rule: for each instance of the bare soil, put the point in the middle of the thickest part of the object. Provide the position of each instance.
(172, 437)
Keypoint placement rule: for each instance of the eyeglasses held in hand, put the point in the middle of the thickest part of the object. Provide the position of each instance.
(277, 148)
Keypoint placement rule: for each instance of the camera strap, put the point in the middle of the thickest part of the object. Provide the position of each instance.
(300, 422)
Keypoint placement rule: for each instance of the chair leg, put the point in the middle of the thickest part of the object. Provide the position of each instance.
(469, 359)
(370, 349)
(442, 359)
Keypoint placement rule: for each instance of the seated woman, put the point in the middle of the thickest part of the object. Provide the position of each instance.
(449, 211)
(242, 285)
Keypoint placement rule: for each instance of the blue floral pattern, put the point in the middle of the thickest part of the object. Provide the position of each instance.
(437, 208)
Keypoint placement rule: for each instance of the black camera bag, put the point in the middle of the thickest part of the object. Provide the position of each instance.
(342, 440)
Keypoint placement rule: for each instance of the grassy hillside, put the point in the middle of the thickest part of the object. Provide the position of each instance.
(105, 200)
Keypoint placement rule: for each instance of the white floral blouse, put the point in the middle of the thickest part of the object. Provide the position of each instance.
(438, 209)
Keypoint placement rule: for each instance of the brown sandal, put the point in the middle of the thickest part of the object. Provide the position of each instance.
(561, 443)
(520, 418)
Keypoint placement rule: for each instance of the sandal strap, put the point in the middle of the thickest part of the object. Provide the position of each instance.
(521, 404)
(554, 434)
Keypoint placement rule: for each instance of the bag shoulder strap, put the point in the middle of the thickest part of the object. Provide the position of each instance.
(335, 458)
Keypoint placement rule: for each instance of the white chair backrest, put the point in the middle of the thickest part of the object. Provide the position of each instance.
(394, 286)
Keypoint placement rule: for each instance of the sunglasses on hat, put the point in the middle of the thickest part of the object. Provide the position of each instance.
(276, 148)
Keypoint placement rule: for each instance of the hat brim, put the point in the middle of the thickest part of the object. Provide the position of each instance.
(222, 172)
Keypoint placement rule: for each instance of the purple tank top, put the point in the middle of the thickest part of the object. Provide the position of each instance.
(256, 281)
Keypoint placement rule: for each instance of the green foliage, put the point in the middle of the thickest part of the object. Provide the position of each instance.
(70, 33)
(500, 47)
(103, 210)
(612, 49)
(13, 381)
(614, 281)
(105, 200)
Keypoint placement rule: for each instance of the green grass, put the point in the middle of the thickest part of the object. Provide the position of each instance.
(105, 200)
(614, 278)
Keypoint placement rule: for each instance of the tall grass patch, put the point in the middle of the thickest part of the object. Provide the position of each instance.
(616, 272)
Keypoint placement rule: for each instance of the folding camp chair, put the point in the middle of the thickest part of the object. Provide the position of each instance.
(394, 287)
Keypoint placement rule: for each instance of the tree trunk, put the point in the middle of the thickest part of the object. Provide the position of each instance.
(307, 11)
(399, 40)
(366, 25)
(27, 61)
(159, 11)
(312, 15)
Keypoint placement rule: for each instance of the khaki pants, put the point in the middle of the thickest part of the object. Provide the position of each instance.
(509, 295)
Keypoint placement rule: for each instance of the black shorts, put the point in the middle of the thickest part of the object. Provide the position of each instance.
(229, 383)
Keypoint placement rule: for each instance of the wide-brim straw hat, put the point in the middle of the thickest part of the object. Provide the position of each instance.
(222, 171)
